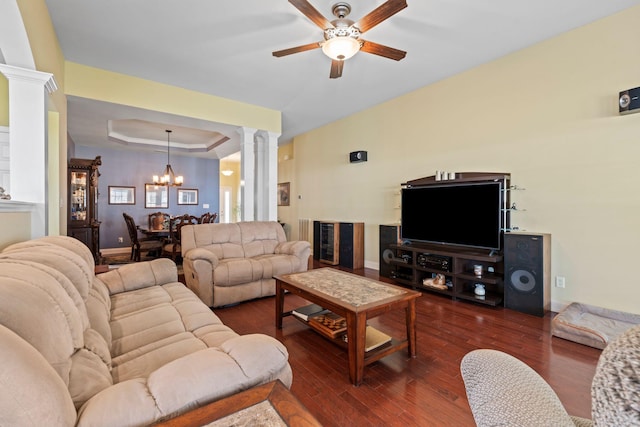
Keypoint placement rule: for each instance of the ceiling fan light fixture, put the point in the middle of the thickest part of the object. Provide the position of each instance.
(341, 47)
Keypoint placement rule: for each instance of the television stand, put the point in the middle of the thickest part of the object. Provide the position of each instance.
(414, 263)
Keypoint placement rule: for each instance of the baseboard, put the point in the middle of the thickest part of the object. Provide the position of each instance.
(372, 265)
(114, 251)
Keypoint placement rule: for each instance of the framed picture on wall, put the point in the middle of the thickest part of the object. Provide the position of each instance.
(283, 194)
(122, 195)
(156, 196)
(187, 196)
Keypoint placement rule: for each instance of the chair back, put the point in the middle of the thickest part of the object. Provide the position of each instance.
(131, 227)
(157, 221)
(208, 218)
(178, 223)
(205, 218)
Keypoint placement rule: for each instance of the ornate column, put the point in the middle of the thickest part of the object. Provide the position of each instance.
(268, 171)
(247, 173)
(28, 96)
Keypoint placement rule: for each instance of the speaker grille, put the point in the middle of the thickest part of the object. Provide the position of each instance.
(526, 264)
(389, 235)
(523, 280)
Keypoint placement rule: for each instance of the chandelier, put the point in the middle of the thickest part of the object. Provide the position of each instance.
(168, 177)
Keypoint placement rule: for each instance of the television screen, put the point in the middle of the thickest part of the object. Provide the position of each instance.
(456, 214)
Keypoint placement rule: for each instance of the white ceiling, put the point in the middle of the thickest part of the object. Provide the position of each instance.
(224, 48)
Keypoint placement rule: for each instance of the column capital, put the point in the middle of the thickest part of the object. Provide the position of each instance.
(16, 73)
(268, 135)
(245, 131)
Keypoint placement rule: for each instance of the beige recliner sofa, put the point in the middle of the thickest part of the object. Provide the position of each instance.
(229, 263)
(125, 348)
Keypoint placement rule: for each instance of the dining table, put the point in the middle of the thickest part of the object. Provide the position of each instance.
(159, 234)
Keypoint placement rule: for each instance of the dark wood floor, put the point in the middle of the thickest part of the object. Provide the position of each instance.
(427, 390)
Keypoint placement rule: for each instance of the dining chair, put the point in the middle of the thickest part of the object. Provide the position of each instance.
(171, 247)
(139, 244)
(208, 218)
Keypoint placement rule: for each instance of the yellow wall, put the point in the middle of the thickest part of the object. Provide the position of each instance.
(94, 83)
(232, 182)
(14, 227)
(286, 173)
(546, 114)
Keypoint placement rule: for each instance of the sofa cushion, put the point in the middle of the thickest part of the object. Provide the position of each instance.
(73, 245)
(31, 392)
(70, 264)
(235, 271)
(37, 308)
(224, 240)
(140, 275)
(62, 280)
(99, 309)
(274, 265)
(260, 237)
(88, 376)
(142, 361)
(156, 325)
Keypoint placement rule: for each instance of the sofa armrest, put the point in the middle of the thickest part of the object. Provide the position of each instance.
(299, 248)
(190, 381)
(202, 254)
(140, 275)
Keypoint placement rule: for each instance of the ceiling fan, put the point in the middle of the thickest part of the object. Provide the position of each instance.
(342, 36)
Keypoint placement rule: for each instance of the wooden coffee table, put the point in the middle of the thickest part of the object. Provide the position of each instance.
(357, 299)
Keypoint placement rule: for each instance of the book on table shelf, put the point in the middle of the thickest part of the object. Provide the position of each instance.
(374, 339)
(308, 311)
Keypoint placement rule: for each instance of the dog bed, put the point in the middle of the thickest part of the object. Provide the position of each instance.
(591, 325)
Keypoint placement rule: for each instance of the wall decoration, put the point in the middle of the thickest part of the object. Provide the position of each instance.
(122, 195)
(187, 196)
(283, 194)
(156, 196)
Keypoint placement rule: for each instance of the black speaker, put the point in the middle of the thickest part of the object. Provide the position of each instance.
(358, 156)
(629, 101)
(527, 272)
(346, 244)
(389, 235)
(316, 240)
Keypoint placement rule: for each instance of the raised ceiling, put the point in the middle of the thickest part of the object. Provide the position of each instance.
(224, 49)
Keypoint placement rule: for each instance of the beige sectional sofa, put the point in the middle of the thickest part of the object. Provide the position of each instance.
(229, 263)
(125, 348)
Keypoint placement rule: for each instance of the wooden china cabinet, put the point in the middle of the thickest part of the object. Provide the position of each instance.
(82, 188)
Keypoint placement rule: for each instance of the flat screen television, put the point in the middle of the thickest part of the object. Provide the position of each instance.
(464, 214)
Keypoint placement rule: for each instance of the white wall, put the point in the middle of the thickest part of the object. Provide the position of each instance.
(547, 115)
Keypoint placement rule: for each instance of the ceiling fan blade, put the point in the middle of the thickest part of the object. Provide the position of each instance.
(379, 14)
(382, 50)
(312, 13)
(336, 69)
(296, 49)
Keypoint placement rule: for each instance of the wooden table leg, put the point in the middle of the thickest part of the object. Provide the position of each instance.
(411, 327)
(279, 303)
(356, 335)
